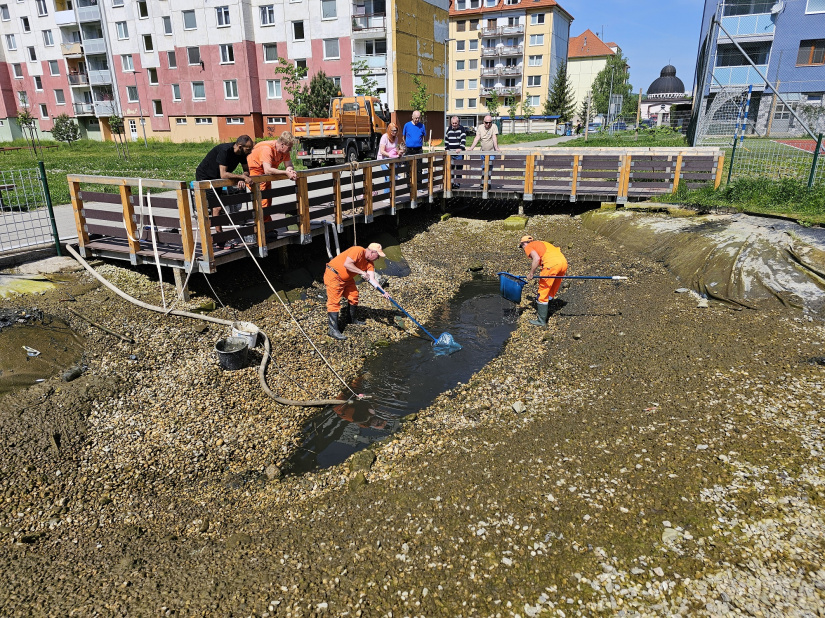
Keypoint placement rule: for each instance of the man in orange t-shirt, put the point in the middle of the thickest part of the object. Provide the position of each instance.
(267, 156)
(339, 281)
(553, 263)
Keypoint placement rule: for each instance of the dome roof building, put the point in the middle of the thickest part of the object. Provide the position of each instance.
(666, 84)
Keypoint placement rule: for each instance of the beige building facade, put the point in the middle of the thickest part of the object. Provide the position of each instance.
(587, 55)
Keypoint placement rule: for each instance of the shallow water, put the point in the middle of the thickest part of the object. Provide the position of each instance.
(407, 376)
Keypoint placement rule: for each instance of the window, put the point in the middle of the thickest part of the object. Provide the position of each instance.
(270, 52)
(176, 92)
(234, 120)
(32, 54)
(172, 59)
(275, 120)
(474, 45)
(203, 121)
(54, 68)
(167, 24)
(58, 96)
(38, 84)
(4, 12)
(460, 5)
(302, 64)
(474, 64)
(472, 84)
(811, 52)
(227, 53)
(122, 30)
(533, 80)
(24, 21)
(230, 89)
(747, 7)
(459, 46)
(298, 31)
(193, 55)
(11, 43)
(474, 25)
(143, 9)
(474, 4)
(157, 107)
(44, 111)
(17, 69)
(815, 6)
(190, 22)
(534, 61)
(533, 100)
(132, 94)
(268, 15)
(42, 9)
(222, 15)
(782, 112)
(536, 19)
(459, 84)
(126, 62)
(336, 81)
(459, 65)
(48, 39)
(23, 98)
(472, 103)
(198, 91)
(153, 76)
(148, 44)
(117, 3)
(273, 89)
(461, 26)
(536, 39)
(329, 9)
(331, 50)
(180, 120)
(375, 47)
(729, 56)
(490, 3)
(459, 103)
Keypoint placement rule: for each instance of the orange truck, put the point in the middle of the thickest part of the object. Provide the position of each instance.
(351, 133)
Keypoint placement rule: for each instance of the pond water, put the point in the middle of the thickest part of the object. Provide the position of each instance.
(407, 376)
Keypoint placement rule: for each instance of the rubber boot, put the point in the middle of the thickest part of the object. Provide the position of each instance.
(542, 310)
(353, 316)
(333, 327)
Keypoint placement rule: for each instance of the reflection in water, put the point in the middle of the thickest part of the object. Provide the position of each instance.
(407, 376)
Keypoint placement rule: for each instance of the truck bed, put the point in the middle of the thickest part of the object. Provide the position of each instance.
(349, 125)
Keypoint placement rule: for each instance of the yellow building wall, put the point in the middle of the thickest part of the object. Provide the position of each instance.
(545, 50)
(467, 74)
(189, 132)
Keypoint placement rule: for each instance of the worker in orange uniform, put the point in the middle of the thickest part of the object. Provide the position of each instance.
(267, 156)
(553, 263)
(339, 281)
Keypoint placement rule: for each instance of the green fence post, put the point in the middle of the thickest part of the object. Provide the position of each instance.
(48, 195)
(812, 176)
(732, 158)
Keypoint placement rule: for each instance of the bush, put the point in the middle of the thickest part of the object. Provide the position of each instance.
(65, 129)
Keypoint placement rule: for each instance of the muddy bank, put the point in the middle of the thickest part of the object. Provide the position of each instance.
(638, 454)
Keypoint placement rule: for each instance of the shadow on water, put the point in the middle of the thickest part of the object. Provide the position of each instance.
(407, 376)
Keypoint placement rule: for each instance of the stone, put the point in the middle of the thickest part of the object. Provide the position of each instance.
(273, 472)
(445, 216)
(4, 529)
(515, 222)
(362, 460)
(73, 373)
(399, 321)
(519, 407)
(50, 265)
(204, 527)
(608, 206)
(476, 267)
(238, 539)
(671, 535)
(659, 571)
(357, 481)
(702, 304)
(577, 336)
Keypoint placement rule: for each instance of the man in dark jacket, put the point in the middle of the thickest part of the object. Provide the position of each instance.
(455, 140)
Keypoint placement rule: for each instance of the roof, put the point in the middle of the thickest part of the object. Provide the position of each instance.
(666, 83)
(501, 5)
(588, 45)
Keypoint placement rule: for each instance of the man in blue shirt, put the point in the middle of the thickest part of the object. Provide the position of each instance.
(413, 133)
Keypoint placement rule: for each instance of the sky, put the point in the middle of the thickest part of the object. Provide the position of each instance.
(650, 33)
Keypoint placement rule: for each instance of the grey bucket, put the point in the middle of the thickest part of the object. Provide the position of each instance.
(232, 352)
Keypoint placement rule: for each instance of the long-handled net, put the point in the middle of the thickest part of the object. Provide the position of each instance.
(445, 344)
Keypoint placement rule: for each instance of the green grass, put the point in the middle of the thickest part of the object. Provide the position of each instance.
(627, 139)
(518, 138)
(787, 197)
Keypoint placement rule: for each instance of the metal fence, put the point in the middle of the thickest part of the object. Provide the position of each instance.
(26, 218)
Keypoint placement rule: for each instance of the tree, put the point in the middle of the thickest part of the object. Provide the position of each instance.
(28, 125)
(117, 127)
(527, 110)
(368, 86)
(420, 98)
(560, 97)
(586, 115)
(315, 98)
(512, 110)
(65, 129)
(292, 75)
(493, 103)
(615, 71)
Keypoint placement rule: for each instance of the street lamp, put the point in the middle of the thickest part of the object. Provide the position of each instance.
(446, 71)
(140, 108)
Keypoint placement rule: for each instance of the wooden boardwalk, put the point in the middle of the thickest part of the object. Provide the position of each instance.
(113, 222)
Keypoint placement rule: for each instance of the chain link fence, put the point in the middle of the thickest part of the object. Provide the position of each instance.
(26, 218)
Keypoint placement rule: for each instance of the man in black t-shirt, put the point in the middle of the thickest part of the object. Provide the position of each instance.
(221, 163)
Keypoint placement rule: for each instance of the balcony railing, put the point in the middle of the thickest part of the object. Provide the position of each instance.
(739, 76)
(100, 77)
(88, 13)
(490, 70)
(741, 25)
(105, 108)
(83, 109)
(65, 18)
(517, 50)
(517, 29)
(71, 49)
(372, 22)
(489, 51)
(78, 79)
(489, 32)
(377, 61)
(95, 46)
(507, 91)
(512, 70)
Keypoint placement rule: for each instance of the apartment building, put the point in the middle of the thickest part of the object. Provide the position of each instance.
(587, 55)
(785, 40)
(186, 71)
(509, 49)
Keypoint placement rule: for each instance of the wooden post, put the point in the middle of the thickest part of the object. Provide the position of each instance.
(430, 168)
(720, 163)
(260, 219)
(368, 194)
(414, 182)
(677, 172)
(624, 182)
(529, 177)
(185, 214)
(485, 180)
(447, 175)
(79, 218)
(336, 196)
(204, 224)
(575, 178)
(392, 188)
(129, 222)
(302, 191)
(180, 284)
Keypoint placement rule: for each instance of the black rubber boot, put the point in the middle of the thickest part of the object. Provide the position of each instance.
(333, 327)
(353, 316)
(542, 310)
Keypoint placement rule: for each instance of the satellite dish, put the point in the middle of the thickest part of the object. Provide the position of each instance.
(777, 8)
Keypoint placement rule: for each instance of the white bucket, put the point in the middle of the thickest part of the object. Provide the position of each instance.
(246, 330)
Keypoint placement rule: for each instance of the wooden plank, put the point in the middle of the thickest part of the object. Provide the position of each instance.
(185, 214)
(647, 175)
(304, 225)
(103, 198)
(369, 192)
(102, 215)
(676, 173)
(719, 165)
(485, 178)
(413, 180)
(125, 182)
(529, 174)
(205, 229)
(129, 219)
(392, 187)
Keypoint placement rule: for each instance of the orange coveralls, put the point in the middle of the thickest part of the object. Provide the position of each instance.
(265, 152)
(340, 281)
(553, 262)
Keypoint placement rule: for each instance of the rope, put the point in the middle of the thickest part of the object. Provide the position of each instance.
(155, 247)
(278, 296)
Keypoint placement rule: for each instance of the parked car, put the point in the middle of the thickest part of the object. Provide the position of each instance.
(619, 125)
(646, 123)
(594, 127)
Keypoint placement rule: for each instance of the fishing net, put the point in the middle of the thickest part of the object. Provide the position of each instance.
(445, 344)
